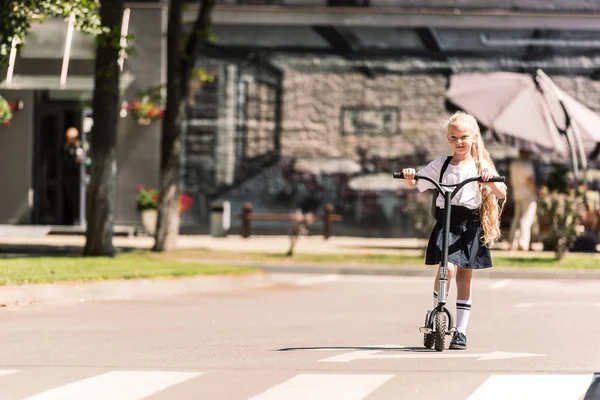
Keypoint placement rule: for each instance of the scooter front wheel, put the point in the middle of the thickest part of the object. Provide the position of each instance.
(441, 328)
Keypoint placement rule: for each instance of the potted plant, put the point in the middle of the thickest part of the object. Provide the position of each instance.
(5, 112)
(147, 206)
(560, 217)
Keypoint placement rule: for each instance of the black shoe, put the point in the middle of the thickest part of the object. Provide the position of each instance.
(459, 341)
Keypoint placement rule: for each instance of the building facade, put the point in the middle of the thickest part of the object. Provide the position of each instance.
(310, 102)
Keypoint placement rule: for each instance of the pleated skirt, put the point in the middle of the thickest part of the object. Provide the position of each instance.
(465, 247)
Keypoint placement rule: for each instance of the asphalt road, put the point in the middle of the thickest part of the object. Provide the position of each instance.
(308, 337)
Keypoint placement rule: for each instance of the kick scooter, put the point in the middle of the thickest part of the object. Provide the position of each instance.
(439, 322)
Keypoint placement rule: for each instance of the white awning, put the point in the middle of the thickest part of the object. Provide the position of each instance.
(52, 82)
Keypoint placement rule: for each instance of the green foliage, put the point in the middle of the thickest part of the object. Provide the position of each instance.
(5, 111)
(17, 16)
(560, 215)
(152, 94)
(201, 75)
(112, 38)
(147, 199)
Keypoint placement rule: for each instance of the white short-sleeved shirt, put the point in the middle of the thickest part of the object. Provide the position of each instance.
(469, 196)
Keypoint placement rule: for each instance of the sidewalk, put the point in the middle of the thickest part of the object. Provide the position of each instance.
(156, 288)
(314, 245)
(262, 244)
(269, 244)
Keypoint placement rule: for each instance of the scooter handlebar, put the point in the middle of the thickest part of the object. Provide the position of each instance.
(400, 175)
(495, 179)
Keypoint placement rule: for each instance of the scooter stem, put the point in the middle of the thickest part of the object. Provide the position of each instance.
(444, 264)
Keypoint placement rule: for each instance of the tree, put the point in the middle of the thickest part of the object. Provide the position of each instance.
(179, 68)
(15, 24)
(100, 202)
(16, 17)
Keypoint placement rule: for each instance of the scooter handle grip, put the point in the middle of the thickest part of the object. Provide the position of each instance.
(495, 179)
(398, 175)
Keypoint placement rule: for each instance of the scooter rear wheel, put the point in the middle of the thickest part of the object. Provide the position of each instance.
(440, 331)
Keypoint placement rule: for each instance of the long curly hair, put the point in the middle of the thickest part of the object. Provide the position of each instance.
(488, 210)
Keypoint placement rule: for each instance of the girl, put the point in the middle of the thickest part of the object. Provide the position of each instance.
(475, 216)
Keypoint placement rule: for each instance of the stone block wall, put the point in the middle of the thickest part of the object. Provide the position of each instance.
(313, 105)
(312, 129)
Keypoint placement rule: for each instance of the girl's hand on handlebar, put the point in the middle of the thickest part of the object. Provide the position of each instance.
(486, 175)
(499, 190)
(409, 176)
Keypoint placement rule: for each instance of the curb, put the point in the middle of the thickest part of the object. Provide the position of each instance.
(69, 292)
(428, 271)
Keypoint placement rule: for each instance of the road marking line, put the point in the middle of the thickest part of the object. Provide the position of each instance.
(117, 385)
(401, 354)
(317, 280)
(532, 386)
(325, 387)
(500, 284)
(4, 372)
(557, 304)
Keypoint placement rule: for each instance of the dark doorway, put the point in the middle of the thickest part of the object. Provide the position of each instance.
(59, 165)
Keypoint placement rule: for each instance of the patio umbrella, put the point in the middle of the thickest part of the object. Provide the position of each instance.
(511, 106)
(570, 113)
(530, 111)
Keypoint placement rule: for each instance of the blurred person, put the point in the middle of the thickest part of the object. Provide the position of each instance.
(475, 218)
(72, 157)
(522, 178)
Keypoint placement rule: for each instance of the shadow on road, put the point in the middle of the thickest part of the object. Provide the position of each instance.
(365, 348)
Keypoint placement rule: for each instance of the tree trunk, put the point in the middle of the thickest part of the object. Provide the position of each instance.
(100, 202)
(167, 224)
(178, 75)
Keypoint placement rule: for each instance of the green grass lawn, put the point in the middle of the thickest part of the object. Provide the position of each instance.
(547, 260)
(142, 264)
(192, 262)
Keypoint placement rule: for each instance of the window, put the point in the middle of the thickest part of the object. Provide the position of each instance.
(260, 119)
(369, 121)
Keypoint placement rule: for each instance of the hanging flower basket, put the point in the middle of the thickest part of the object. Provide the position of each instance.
(144, 111)
(5, 112)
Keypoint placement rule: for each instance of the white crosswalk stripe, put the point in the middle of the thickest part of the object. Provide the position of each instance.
(117, 385)
(325, 387)
(137, 385)
(533, 386)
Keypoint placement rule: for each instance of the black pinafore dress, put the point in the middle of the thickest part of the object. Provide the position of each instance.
(465, 247)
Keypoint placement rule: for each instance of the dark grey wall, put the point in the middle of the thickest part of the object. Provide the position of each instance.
(16, 152)
(138, 148)
(538, 5)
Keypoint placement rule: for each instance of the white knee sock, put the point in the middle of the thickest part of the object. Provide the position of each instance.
(463, 311)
